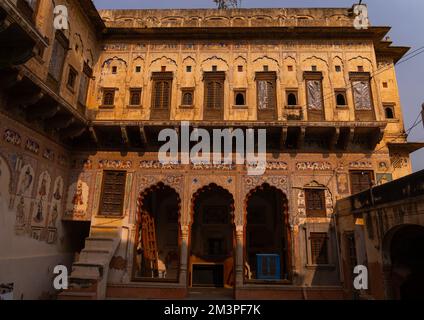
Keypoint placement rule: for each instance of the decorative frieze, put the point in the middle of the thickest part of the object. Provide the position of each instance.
(12, 137)
(32, 146)
(360, 164)
(48, 154)
(308, 165)
(156, 164)
(115, 164)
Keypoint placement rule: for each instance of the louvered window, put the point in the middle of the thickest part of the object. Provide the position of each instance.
(319, 248)
(187, 97)
(57, 59)
(113, 193)
(214, 94)
(315, 202)
(161, 94)
(108, 97)
(361, 181)
(135, 96)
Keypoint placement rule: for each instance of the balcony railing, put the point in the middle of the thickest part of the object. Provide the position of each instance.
(293, 113)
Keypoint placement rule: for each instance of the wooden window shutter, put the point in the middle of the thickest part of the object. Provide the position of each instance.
(161, 95)
(113, 193)
(319, 248)
(360, 181)
(315, 202)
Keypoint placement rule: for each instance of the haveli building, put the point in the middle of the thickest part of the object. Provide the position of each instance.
(81, 183)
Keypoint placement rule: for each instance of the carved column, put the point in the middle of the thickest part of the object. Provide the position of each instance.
(239, 256)
(184, 257)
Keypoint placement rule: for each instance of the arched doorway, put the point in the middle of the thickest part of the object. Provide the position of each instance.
(405, 248)
(157, 254)
(212, 238)
(267, 235)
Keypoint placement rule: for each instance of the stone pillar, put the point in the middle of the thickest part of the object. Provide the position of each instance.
(184, 255)
(239, 274)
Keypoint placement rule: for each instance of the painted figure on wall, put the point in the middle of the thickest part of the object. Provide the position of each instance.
(58, 190)
(78, 196)
(54, 216)
(77, 201)
(26, 180)
(41, 200)
(20, 212)
(39, 216)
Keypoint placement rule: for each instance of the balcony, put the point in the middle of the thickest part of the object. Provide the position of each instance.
(290, 136)
(18, 34)
(293, 113)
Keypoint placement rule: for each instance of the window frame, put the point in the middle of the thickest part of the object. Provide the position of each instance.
(371, 175)
(362, 114)
(344, 93)
(132, 91)
(270, 112)
(314, 259)
(242, 92)
(102, 194)
(71, 71)
(185, 91)
(216, 111)
(162, 112)
(321, 212)
(104, 92)
(314, 115)
(391, 106)
(296, 94)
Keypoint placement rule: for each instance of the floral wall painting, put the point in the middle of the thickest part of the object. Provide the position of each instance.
(77, 201)
(41, 200)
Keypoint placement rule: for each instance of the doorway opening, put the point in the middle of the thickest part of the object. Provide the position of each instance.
(157, 254)
(407, 262)
(212, 238)
(267, 235)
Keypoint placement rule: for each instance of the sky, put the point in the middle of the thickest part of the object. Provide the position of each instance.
(404, 16)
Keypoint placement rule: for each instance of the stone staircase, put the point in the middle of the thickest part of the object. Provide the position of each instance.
(88, 279)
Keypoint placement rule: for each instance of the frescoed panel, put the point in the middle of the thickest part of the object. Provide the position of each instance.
(4, 184)
(23, 198)
(77, 201)
(56, 203)
(39, 213)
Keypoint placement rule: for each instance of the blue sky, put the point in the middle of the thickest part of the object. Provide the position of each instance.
(404, 16)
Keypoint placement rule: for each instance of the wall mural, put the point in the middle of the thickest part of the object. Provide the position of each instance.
(4, 184)
(23, 198)
(77, 201)
(33, 201)
(39, 214)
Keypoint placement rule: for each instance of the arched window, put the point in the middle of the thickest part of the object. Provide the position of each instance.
(240, 101)
(341, 99)
(187, 98)
(389, 113)
(291, 99)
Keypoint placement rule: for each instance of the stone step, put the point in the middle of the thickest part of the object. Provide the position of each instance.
(95, 256)
(104, 231)
(83, 270)
(99, 243)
